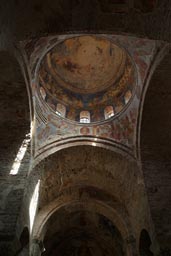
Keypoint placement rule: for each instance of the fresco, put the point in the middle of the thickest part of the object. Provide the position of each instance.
(87, 73)
(121, 128)
(86, 64)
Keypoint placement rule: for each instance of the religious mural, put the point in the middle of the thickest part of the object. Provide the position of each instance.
(124, 96)
(87, 73)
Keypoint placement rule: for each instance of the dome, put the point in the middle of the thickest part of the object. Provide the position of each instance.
(86, 74)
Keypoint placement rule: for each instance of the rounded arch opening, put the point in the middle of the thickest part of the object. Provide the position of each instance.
(24, 237)
(155, 139)
(145, 244)
(72, 168)
(47, 221)
(86, 233)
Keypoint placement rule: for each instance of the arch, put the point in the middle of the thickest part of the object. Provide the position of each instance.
(144, 244)
(154, 143)
(69, 176)
(158, 59)
(47, 212)
(96, 230)
(52, 148)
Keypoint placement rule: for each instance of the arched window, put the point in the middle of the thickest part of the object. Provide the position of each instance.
(61, 110)
(43, 93)
(51, 103)
(84, 117)
(127, 96)
(108, 112)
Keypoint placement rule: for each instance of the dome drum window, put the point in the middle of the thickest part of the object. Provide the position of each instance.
(60, 110)
(127, 96)
(109, 112)
(85, 117)
(43, 93)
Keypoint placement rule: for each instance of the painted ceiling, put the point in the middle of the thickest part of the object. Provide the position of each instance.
(87, 73)
(86, 64)
(121, 129)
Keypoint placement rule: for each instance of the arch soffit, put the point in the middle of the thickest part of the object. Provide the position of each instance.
(57, 146)
(42, 218)
(160, 56)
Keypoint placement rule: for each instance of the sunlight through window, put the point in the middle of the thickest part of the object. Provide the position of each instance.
(33, 205)
(20, 155)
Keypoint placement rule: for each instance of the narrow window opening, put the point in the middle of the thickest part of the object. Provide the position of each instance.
(20, 155)
(109, 112)
(84, 117)
(127, 96)
(61, 110)
(43, 93)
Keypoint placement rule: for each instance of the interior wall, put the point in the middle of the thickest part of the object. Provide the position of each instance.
(14, 125)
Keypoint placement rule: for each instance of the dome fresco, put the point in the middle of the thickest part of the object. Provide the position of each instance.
(86, 74)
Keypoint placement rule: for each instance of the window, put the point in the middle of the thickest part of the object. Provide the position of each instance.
(109, 112)
(84, 117)
(60, 110)
(127, 96)
(20, 155)
(43, 93)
